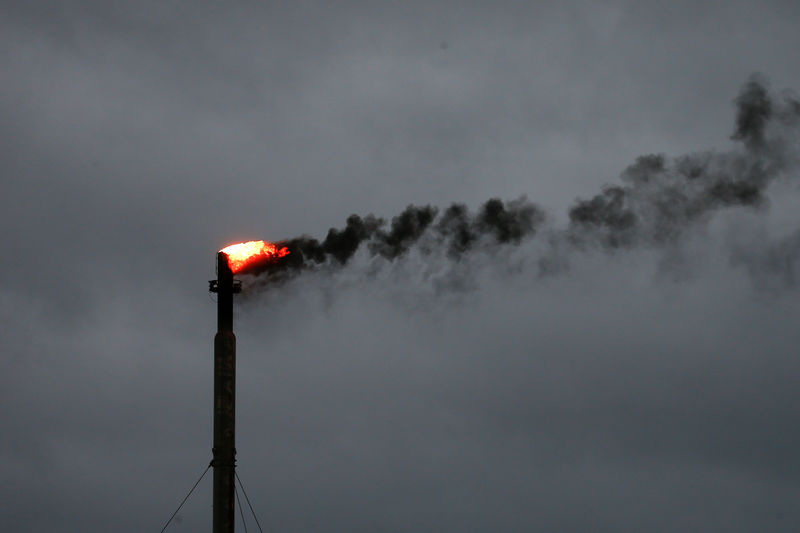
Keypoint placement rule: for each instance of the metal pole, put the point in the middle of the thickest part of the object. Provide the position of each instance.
(224, 451)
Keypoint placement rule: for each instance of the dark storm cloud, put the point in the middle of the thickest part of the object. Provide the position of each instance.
(139, 138)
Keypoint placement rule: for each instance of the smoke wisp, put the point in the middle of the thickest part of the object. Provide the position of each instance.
(657, 204)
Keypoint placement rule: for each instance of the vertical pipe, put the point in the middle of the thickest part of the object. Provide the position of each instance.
(224, 451)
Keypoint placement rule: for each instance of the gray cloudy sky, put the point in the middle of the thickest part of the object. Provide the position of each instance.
(648, 389)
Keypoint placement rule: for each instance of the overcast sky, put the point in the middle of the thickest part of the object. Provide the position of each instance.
(647, 389)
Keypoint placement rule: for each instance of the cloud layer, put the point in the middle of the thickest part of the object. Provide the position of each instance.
(623, 361)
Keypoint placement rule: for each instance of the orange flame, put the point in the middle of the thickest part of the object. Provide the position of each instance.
(245, 254)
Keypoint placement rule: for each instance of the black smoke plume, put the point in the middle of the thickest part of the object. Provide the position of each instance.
(658, 201)
(457, 229)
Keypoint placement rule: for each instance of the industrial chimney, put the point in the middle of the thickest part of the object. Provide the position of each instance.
(224, 451)
(236, 258)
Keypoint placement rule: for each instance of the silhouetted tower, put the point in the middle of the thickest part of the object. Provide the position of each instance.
(224, 451)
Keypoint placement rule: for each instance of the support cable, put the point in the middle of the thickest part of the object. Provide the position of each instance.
(248, 502)
(187, 497)
(241, 512)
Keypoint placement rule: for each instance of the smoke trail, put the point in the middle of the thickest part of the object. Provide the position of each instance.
(457, 229)
(660, 199)
(658, 202)
(770, 264)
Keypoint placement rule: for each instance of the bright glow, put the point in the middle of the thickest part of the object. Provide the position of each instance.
(245, 254)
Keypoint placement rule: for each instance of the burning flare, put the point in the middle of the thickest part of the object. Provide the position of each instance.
(251, 253)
